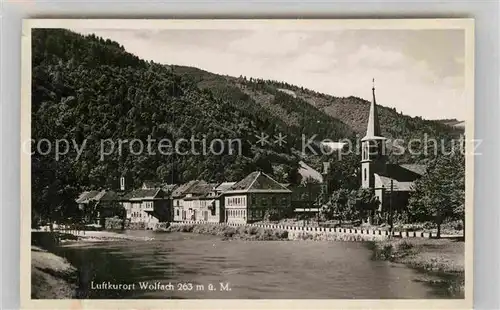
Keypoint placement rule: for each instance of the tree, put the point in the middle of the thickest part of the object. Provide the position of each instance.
(363, 203)
(344, 171)
(337, 207)
(440, 193)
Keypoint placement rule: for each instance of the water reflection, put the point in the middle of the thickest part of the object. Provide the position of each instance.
(239, 269)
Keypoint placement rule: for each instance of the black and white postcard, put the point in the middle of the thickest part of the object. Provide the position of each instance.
(210, 164)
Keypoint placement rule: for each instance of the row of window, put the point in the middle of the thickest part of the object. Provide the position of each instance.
(145, 205)
(213, 212)
(242, 213)
(196, 203)
(141, 215)
(256, 213)
(237, 213)
(237, 201)
(241, 201)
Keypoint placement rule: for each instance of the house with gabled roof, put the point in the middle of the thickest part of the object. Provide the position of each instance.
(198, 200)
(178, 195)
(95, 206)
(147, 206)
(257, 194)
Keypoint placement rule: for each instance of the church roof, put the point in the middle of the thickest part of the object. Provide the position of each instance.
(419, 169)
(402, 176)
(373, 131)
(397, 185)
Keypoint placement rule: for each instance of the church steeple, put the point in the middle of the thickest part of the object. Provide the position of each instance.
(373, 128)
(373, 159)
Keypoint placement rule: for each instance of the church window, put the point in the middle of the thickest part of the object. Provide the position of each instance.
(364, 174)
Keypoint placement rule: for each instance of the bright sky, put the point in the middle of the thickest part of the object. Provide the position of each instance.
(419, 72)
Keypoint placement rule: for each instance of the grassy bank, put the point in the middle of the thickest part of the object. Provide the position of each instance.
(52, 277)
(441, 257)
(230, 232)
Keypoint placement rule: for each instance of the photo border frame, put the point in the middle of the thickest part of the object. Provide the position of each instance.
(303, 25)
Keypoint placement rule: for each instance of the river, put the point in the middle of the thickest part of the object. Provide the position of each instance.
(200, 266)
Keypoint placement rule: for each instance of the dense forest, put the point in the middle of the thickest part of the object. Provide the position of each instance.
(86, 89)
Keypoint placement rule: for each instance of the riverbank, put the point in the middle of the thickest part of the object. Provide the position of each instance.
(96, 236)
(47, 240)
(52, 277)
(441, 257)
(230, 232)
(276, 232)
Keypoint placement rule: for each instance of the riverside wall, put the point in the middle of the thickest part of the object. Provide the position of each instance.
(324, 233)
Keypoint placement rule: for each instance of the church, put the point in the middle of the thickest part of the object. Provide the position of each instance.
(391, 183)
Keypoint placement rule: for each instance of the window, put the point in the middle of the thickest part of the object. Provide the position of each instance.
(213, 211)
(273, 200)
(264, 201)
(364, 173)
(253, 200)
(178, 212)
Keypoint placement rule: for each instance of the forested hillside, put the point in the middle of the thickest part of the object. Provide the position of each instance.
(87, 88)
(90, 89)
(350, 111)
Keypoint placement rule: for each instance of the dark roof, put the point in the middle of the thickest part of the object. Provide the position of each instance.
(102, 195)
(109, 196)
(419, 169)
(200, 188)
(399, 173)
(86, 196)
(144, 194)
(180, 191)
(224, 186)
(402, 176)
(258, 181)
(169, 188)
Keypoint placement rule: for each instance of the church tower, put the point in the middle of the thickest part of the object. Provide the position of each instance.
(373, 158)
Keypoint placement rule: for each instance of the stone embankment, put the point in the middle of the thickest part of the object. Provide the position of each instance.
(113, 223)
(295, 232)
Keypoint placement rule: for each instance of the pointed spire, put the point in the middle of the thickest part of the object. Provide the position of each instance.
(373, 128)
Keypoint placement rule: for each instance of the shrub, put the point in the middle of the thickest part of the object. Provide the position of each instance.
(229, 231)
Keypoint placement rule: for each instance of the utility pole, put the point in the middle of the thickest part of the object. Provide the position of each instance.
(391, 225)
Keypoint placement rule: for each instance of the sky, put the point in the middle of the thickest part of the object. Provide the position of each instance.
(418, 72)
